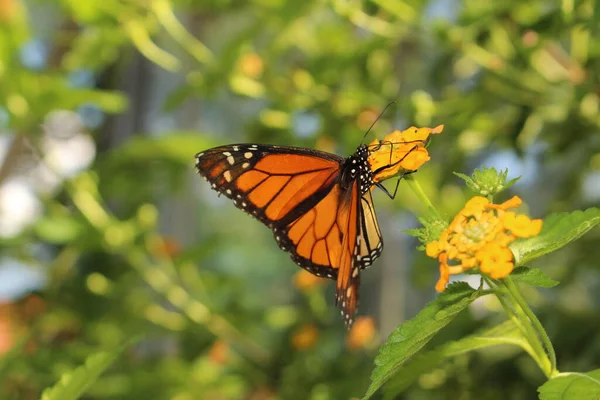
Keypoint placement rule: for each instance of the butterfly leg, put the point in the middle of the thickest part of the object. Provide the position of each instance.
(384, 189)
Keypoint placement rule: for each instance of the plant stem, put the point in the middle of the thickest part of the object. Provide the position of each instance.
(527, 333)
(418, 190)
(540, 331)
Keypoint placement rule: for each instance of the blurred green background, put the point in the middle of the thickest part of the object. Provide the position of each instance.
(107, 233)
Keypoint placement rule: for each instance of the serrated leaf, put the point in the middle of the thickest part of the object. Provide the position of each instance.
(410, 372)
(411, 336)
(511, 182)
(533, 277)
(558, 230)
(470, 183)
(74, 383)
(572, 386)
(504, 333)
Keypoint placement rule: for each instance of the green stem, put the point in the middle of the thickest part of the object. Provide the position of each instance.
(540, 331)
(534, 351)
(418, 190)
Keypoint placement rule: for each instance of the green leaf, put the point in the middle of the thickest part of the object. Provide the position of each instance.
(112, 102)
(58, 229)
(572, 386)
(178, 147)
(533, 277)
(470, 184)
(431, 230)
(411, 336)
(505, 333)
(558, 230)
(74, 383)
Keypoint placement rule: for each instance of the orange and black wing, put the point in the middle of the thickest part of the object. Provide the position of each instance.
(294, 191)
(348, 280)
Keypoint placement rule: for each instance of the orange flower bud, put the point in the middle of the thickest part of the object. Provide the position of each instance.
(219, 352)
(251, 65)
(306, 337)
(362, 333)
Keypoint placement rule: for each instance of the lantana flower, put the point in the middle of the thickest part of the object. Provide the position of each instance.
(479, 236)
(400, 151)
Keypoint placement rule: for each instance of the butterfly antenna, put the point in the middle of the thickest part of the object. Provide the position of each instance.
(377, 119)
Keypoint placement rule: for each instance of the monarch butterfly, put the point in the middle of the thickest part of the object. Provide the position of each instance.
(317, 204)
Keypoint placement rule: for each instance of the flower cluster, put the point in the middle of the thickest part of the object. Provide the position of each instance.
(479, 236)
(400, 152)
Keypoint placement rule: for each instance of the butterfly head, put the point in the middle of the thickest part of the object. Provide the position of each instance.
(357, 167)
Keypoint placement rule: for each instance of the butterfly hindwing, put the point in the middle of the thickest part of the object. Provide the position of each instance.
(370, 241)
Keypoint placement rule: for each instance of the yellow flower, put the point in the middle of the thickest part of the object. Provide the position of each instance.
(305, 337)
(495, 260)
(479, 236)
(400, 151)
(473, 208)
(444, 274)
(433, 249)
(415, 158)
(521, 226)
(512, 203)
(362, 333)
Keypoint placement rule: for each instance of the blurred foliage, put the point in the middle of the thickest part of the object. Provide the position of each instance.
(123, 253)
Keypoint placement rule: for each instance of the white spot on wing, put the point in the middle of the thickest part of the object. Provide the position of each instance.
(227, 176)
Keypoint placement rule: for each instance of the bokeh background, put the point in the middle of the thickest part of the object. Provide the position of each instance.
(107, 233)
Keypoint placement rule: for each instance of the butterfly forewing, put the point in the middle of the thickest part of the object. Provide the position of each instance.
(267, 181)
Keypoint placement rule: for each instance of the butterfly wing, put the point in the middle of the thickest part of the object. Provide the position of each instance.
(370, 242)
(348, 280)
(362, 244)
(294, 191)
(273, 183)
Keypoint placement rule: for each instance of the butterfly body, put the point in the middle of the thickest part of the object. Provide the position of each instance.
(317, 204)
